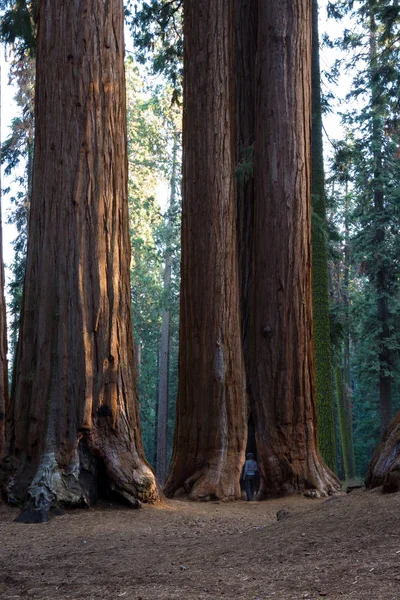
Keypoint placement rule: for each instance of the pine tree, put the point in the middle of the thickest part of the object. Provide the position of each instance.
(164, 361)
(17, 150)
(373, 174)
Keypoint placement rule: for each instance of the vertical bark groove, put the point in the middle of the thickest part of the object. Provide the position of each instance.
(281, 341)
(74, 374)
(211, 412)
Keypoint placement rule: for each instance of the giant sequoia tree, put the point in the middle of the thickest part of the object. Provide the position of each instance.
(272, 118)
(211, 412)
(73, 428)
(322, 343)
(280, 339)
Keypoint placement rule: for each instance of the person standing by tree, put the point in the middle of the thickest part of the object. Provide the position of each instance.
(250, 472)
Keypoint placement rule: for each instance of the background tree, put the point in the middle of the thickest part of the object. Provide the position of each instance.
(17, 156)
(371, 123)
(73, 420)
(341, 312)
(164, 360)
(3, 339)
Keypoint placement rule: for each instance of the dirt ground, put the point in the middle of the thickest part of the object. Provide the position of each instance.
(344, 547)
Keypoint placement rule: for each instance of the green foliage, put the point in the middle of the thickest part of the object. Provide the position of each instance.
(156, 27)
(366, 172)
(17, 156)
(18, 25)
(152, 124)
(320, 280)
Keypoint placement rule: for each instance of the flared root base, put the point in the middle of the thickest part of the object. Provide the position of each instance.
(86, 479)
(384, 469)
(205, 485)
(313, 479)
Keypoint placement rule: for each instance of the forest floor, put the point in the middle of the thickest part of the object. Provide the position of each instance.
(347, 546)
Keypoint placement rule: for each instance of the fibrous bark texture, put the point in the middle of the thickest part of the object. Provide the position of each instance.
(73, 418)
(320, 279)
(384, 468)
(280, 342)
(245, 92)
(210, 432)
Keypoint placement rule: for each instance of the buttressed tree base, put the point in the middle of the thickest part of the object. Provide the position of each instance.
(271, 226)
(211, 424)
(384, 468)
(72, 422)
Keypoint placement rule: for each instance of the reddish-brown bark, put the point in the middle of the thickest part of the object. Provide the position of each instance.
(211, 410)
(73, 419)
(280, 339)
(384, 468)
(245, 88)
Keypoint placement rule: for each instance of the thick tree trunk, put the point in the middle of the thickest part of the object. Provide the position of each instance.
(281, 345)
(245, 54)
(384, 468)
(210, 434)
(320, 279)
(246, 24)
(73, 418)
(163, 391)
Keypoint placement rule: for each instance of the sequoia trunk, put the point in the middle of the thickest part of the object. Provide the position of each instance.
(280, 343)
(246, 49)
(320, 280)
(210, 432)
(73, 418)
(384, 468)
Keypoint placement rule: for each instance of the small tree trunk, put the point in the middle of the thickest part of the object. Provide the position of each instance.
(3, 333)
(380, 272)
(138, 358)
(73, 417)
(281, 344)
(347, 442)
(163, 392)
(346, 434)
(211, 423)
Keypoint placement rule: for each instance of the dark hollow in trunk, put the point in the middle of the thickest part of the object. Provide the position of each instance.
(74, 384)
